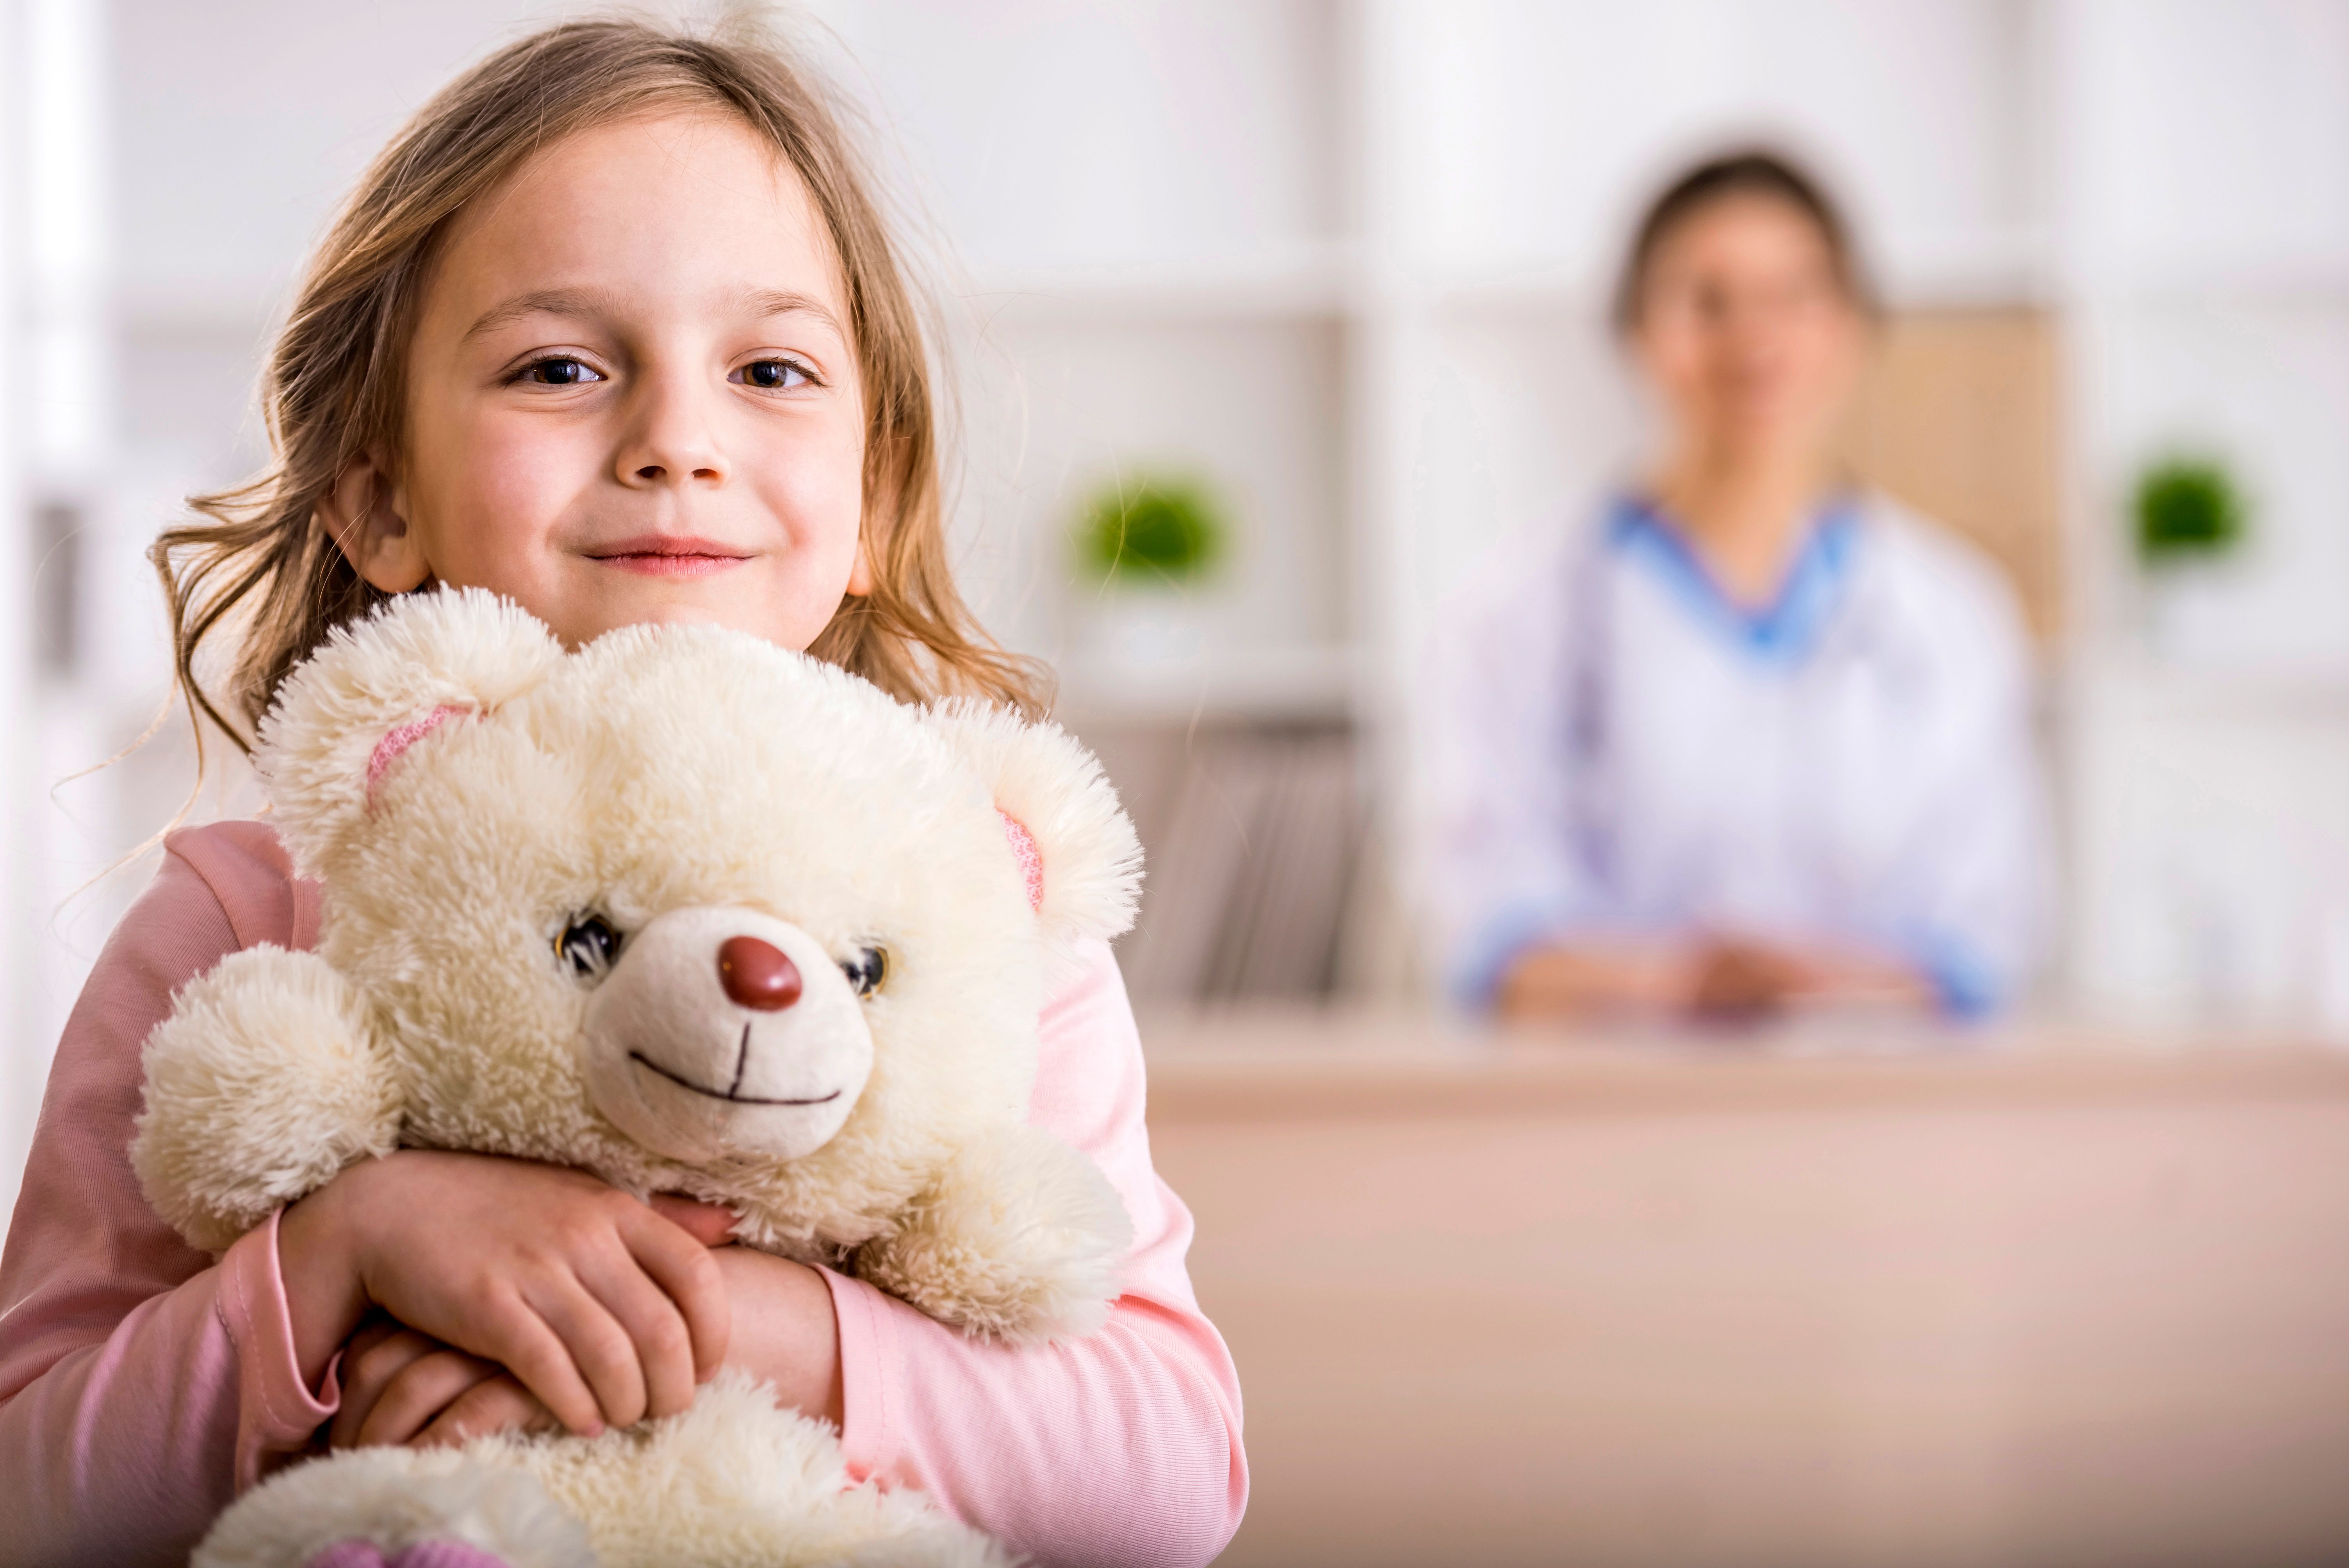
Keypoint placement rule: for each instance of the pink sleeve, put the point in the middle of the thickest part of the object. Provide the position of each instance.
(1121, 1449)
(140, 1383)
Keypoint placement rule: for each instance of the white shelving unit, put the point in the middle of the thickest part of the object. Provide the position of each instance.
(1366, 295)
(2204, 160)
(1422, 203)
(1359, 241)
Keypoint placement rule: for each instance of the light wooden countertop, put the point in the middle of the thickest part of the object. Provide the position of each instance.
(1318, 1062)
(1848, 1293)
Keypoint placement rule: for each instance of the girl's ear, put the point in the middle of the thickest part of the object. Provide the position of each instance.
(1063, 825)
(860, 574)
(365, 518)
(349, 714)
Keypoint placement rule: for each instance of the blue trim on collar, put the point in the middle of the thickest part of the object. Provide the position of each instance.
(1962, 983)
(1783, 629)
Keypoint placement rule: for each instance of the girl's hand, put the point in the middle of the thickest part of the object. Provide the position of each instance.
(402, 1386)
(604, 1309)
(497, 1404)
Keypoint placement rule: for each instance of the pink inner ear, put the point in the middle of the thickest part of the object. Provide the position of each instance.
(389, 749)
(1024, 851)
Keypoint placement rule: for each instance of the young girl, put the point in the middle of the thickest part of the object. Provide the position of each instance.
(614, 329)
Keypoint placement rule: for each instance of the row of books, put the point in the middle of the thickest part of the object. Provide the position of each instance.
(1251, 861)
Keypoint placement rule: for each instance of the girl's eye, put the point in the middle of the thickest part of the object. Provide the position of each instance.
(589, 946)
(559, 372)
(865, 971)
(775, 375)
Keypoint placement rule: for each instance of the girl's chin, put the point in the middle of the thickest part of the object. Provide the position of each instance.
(713, 601)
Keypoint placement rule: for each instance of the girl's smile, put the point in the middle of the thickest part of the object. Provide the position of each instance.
(661, 555)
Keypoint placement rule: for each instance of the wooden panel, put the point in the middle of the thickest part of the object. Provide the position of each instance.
(1696, 1318)
(1960, 420)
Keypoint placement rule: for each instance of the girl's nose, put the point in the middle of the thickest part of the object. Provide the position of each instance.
(670, 439)
(758, 975)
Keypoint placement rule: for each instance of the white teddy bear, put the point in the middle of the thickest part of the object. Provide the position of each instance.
(699, 916)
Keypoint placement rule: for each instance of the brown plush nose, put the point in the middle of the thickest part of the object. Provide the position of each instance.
(758, 974)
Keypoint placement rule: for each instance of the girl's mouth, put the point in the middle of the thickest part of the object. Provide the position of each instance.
(660, 555)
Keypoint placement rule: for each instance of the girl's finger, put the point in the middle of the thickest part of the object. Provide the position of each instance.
(372, 1331)
(498, 1404)
(377, 1356)
(597, 1345)
(537, 1355)
(683, 1270)
(664, 1346)
(420, 1392)
(704, 1223)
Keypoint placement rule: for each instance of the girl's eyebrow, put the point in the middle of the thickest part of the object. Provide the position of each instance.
(574, 302)
(579, 303)
(764, 302)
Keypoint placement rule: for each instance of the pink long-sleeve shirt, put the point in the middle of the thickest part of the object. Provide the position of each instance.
(143, 1384)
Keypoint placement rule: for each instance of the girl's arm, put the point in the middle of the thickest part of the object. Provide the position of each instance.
(136, 1378)
(1124, 1447)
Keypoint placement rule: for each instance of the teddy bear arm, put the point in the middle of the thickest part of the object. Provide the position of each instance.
(1019, 1238)
(266, 1080)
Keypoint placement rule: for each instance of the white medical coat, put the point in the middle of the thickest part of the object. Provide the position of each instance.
(1617, 749)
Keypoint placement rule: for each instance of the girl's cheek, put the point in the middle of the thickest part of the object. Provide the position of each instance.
(517, 481)
(817, 490)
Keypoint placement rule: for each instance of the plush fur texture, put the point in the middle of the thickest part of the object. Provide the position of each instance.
(668, 788)
(724, 1485)
(1054, 788)
(405, 1499)
(241, 1132)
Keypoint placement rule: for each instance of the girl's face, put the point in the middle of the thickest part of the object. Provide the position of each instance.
(631, 397)
(1746, 331)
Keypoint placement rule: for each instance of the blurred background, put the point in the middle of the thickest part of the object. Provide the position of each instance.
(1327, 280)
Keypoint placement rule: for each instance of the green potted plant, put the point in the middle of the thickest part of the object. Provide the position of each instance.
(1144, 543)
(2188, 510)
(2188, 519)
(1162, 531)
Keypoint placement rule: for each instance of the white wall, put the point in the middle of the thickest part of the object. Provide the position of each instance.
(1057, 133)
(1545, 126)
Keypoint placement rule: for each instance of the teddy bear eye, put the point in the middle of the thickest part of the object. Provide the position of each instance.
(865, 970)
(589, 946)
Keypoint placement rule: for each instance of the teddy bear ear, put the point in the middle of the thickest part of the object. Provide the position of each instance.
(347, 714)
(1061, 821)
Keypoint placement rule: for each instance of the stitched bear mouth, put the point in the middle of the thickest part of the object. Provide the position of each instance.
(733, 1094)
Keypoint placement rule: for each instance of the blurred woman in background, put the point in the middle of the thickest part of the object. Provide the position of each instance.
(1757, 737)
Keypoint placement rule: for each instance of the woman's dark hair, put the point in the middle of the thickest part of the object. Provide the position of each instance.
(1752, 172)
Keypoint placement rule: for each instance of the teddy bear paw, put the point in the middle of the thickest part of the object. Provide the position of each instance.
(1020, 1238)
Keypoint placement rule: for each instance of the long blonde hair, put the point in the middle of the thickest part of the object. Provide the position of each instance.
(261, 560)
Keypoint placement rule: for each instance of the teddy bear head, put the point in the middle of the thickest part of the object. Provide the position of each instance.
(691, 911)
